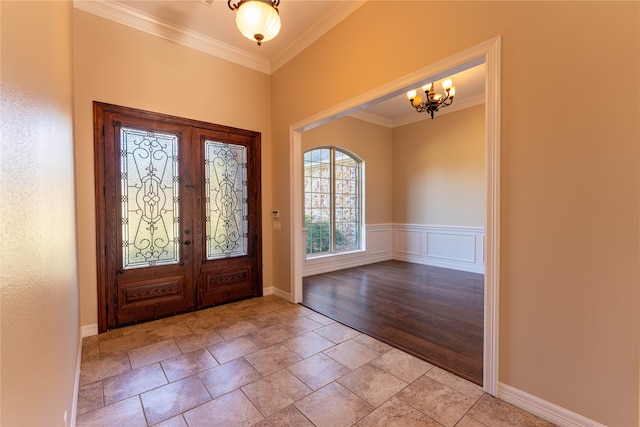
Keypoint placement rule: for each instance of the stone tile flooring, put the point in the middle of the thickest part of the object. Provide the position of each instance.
(267, 362)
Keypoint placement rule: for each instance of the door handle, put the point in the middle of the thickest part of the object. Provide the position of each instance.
(187, 242)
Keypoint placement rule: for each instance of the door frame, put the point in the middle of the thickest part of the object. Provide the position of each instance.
(488, 53)
(106, 296)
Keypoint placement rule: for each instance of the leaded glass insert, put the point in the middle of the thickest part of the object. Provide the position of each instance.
(150, 199)
(226, 214)
(332, 201)
(317, 200)
(347, 215)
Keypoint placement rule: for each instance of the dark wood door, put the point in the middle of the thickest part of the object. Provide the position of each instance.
(229, 250)
(178, 214)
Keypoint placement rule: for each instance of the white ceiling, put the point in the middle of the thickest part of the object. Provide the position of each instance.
(210, 27)
(301, 20)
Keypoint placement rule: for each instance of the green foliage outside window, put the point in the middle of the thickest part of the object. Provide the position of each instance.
(319, 236)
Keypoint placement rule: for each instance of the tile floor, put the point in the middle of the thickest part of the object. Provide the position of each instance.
(267, 362)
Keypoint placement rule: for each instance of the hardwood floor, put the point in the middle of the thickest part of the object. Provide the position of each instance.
(433, 313)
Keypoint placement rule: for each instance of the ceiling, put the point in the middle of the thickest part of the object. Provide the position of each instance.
(397, 111)
(209, 26)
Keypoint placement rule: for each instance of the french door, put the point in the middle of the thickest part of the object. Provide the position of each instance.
(178, 214)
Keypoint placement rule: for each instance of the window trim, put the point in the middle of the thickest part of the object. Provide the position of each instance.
(360, 240)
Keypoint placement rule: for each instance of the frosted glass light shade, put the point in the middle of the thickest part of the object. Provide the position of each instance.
(258, 20)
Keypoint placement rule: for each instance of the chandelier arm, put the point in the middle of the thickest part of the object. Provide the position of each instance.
(449, 99)
(234, 6)
(431, 107)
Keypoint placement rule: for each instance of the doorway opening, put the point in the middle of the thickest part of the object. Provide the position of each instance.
(489, 54)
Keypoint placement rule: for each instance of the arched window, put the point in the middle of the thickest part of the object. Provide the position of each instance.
(332, 201)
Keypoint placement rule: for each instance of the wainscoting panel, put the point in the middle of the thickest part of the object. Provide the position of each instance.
(458, 248)
(453, 247)
(379, 240)
(408, 241)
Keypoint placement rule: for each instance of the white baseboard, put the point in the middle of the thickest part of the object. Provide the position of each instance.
(89, 330)
(330, 263)
(76, 385)
(281, 294)
(439, 263)
(272, 290)
(553, 413)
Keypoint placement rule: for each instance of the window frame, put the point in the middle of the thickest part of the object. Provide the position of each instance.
(359, 238)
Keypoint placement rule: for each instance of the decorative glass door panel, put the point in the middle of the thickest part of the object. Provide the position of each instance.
(178, 215)
(229, 267)
(149, 183)
(225, 199)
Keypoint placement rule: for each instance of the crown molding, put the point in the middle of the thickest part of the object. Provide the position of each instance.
(372, 118)
(133, 18)
(340, 11)
(141, 21)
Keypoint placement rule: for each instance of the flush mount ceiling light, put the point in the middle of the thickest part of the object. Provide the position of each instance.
(434, 101)
(257, 20)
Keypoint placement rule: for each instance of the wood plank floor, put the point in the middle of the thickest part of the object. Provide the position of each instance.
(433, 313)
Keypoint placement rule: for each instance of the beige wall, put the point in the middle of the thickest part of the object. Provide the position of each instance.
(427, 172)
(569, 214)
(38, 275)
(438, 170)
(372, 143)
(120, 65)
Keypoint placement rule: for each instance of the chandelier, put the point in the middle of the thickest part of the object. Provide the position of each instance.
(257, 20)
(434, 101)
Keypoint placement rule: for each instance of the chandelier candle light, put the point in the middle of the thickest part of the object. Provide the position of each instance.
(257, 20)
(434, 101)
